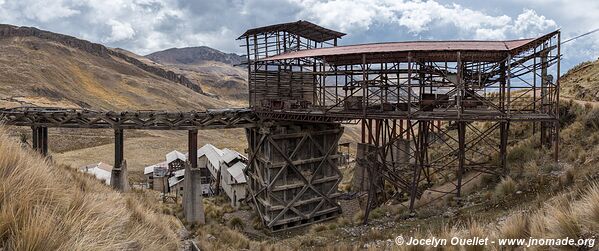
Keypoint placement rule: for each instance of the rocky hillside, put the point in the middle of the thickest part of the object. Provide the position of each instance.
(8, 31)
(194, 56)
(582, 82)
(218, 72)
(49, 69)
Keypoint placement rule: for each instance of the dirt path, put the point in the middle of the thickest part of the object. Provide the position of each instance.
(580, 102)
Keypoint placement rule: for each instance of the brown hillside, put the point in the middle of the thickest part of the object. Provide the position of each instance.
(36, 71)
(582, 82)
(214, 70)
(50, 207)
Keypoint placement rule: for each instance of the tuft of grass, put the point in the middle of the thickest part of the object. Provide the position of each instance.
(358, 217)
(587, 210)
(520, 154)
(236, 223)
(316, 228)
(591, 119)
(561, 222)
(538, 226)
(475, 230)
(515, 227)
(506, 186)
(377, 213)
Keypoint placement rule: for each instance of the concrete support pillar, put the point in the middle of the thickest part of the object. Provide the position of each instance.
(361, 178)
(192, 186)
(118, 177)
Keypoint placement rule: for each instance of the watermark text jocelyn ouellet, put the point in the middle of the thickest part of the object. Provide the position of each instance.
(477, 241)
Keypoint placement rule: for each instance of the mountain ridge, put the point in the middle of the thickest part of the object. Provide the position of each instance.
(8, 31)
(194, 55)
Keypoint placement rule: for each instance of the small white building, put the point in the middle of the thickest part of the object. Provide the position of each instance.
(210, 157)
(157, 175)
(101, 171)
(233, 183)
(175, 160)
(175, 183)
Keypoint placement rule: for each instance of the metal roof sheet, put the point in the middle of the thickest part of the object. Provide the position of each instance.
(236, 172)
(302, 28)
(230, 155)
(150, 169)
(174, 155)
(213, 154)
(412, 46)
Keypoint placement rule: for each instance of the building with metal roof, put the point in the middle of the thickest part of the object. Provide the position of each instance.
(101, 171)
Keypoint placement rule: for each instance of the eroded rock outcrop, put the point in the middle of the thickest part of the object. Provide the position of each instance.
(8, 31)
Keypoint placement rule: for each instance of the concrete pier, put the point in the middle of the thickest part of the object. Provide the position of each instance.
(192, 186)
(118, 176)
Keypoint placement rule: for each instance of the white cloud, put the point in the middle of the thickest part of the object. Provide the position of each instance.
(120, 31)
(145, 26)
(420, 16)
(45, 11)
(529, 23)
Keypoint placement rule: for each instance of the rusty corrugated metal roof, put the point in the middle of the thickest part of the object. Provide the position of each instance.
(302, 28)
(412, 46)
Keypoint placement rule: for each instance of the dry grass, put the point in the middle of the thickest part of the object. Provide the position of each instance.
(566, 215)
(561, 222)
(515, 227)
(506, 186)
(587, 210)
(219, 237)
(49, 207)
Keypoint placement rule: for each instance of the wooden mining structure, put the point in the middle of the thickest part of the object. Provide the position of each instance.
(429, 111)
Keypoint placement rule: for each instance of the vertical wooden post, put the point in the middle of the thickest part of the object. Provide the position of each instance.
(118, 147)
(461, 155)
(557, 84)
(192, 147)
(44, 140)
(34, 138)
(504, 129)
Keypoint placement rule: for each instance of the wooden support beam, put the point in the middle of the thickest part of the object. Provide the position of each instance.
(503, 134)
(192, 144)
(34, 138)
(118, 148)
(44, 141)
(461, 156)
(39, 139)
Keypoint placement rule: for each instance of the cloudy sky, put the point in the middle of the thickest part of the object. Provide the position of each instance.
(145, 26)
